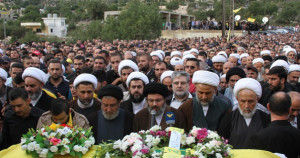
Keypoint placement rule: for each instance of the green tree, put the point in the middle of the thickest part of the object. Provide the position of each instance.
(96, 9)
(173, 5)
(110, 30)
(88, 31)
(31, 14)
(138, 21)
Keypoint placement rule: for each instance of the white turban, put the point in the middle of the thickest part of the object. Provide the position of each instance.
(176, 61)
(281, 63)
(155, 53)
(138, 75)
(290, 50)
(35, 73)
(223, 76)
(244, 55)
(3, 74)
(176, 53)
(129, 63)
(286, 46)
(165, 74)
(1, 51)
(247, 83)
(85, 78)
(223, 53)
(258, 60)
(265, 52)
(294, 67)
(218, 59)
(235, 55)
(188, 56)
(186, 53)
(206, 77)
(161, 52)
(194, 50)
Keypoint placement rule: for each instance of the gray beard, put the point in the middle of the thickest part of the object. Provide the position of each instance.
(247, 115)
(205, 103)
(34, 96)
(181, 94)
(110, 117)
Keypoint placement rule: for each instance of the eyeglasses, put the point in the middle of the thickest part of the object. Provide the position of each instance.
(190, 67)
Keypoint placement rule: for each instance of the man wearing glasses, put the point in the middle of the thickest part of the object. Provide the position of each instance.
(190, 67)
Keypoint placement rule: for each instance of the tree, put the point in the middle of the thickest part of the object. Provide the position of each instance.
(173, 5)
(31, 14)
(137, 21)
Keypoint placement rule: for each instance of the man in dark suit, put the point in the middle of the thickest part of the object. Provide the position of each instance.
(156, 94)
(280, 136)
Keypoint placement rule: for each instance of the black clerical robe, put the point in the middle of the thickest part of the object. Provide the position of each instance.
(86, 111)
(234, 128)
(194, 115)
(104, 130)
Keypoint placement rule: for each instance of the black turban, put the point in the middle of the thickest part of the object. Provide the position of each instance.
(235, 71)
(111, 90)
(156, 88)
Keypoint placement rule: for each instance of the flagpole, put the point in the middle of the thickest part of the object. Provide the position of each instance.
(233, 17)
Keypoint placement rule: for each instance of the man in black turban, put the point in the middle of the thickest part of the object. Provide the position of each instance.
(158, 111)
(111, 122)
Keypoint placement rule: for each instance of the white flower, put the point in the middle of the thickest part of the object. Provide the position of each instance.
(84, 150)
(23, 140)
(183, 139)
(31, 138)
(88, 143)
(65, 141)
(92, 139)
(155, 155)
(156, 141)
(37, 148)
(155, 128)
(199, 154)
(190, 140)
(218, 155)
(213, 135)
(77, 148)
(44, 153)
(67, 149)
(107, 155)
(124, 146)
(136, 147)
(53, 149)
(52, 135)
(117, 144)
(31, 146)
(215, 143)
(24, 147)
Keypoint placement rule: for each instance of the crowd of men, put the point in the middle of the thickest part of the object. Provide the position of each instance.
(246, 89)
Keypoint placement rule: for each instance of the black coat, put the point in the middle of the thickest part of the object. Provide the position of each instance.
(93, 119)
(127, 106)
(44, 102)
(279, 137)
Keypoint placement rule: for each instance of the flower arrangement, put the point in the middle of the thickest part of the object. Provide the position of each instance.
(200, 141)
(57, 139)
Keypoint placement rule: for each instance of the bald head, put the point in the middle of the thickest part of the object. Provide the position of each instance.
(295, 107)
(279, 104)
(226, 67)
(233, 60)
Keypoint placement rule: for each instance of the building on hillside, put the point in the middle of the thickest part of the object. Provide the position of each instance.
(54, 26)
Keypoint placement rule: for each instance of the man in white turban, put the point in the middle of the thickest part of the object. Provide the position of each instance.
(35, 80)
(206, 109)
(125, 68)
(246, 119)
(85, 85)
(136, 82)
(294, 74)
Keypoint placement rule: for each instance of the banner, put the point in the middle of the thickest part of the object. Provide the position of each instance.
(237, 10)
(250, 19)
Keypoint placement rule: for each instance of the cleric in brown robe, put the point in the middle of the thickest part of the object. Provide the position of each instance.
(156, 94)
(206, 109)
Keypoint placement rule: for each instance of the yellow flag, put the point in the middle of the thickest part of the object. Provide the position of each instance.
(251, 19)
(237, 10)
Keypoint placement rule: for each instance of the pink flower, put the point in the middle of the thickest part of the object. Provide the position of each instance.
(145, 151)
(55, 141)
(161, 133)
(152, 133)
(133, 154)
(202, 134)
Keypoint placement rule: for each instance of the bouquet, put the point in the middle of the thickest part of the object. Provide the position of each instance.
(206, 144)
(57, 139)
(200, 141)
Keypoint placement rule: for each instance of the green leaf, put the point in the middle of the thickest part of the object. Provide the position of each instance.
(50, 154)
(39, 139)
(72, 153)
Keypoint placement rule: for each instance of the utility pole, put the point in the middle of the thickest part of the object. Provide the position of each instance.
(223, 18)
(232, 17)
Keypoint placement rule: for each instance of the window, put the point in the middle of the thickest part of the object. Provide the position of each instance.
(62, 23)
(51, 30)
(38, 30)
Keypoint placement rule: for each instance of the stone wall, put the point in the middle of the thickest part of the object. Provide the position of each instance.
(179, 34)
